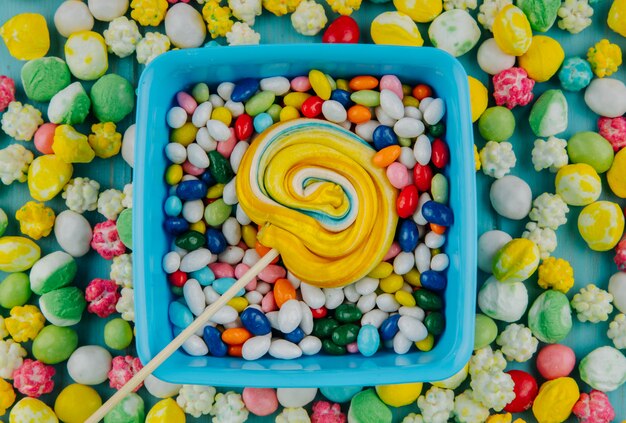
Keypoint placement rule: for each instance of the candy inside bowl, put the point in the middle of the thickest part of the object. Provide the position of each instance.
(179, 71)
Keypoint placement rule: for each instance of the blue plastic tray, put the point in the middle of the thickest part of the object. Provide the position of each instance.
(177, 71)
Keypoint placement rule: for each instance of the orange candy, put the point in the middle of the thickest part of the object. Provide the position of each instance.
(234, 350)
(262, 250)
(422, 91)
(359, 114)
(364, 82)
(283, 292)
(386, 156)
(236, 336)
(438, 229)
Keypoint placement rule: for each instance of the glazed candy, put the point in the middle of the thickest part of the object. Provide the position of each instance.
(516, 261)
(107, 10)
(550, 154)
(369, 199)
(21, 121)
(47, 175)
(543, 58)
(548, 115)
(511, 197)
(89, 365)
(52, 272)
(166, 411)
(36, 220)
(578, 184)
(555, 361)
(102, 296)
(604, 58)
(17, 254)
(64, 306)
(503, 301)
(26, 409)
(122, 369)
(575, 15)
(478, 97)
(420, 11)
(33, 378)
(616, 19)
(129, 410)
(550, 317)
(25, 323)
(14, 162)
(556, 273)
(54, 344)
(14, 290)
(512, 31)
(614, 131)
(615, 173)
(112, 98)
(8, 396)
(76, 403)
(594, 407)
(555, 400)
(592, 304)
(541, 14)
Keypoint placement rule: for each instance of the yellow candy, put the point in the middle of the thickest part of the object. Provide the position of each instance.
(280, 7)
(453, 381)
(543, 59)
(76, 403)
(26, 36)
(32, 410)
(320, 84)
(413, 277)
(173, 174)
(556, 274)
(382, 270)
(289, 113)
(36, 220)
(343, 84)
(166, 411)
(198, 226)
(184, 135)
(604, 58)
(223, 115)
(17, 254)
(148, 12)
(616, 176)
(391, 283)
(409, 100)
(503, 418)
(400, 394)
(420, 10)
(516, 261)
(601, 224)
(238, 303)
(86, 55)
(477, 163)
(512, 31)
(105, 140)
(478, 97)
(47, 175)
(248, 234)
(395, 28)
(344, 7)
(295, 99)
(555, 400)
(426, 344)
(7, 396)
(25, 323)
(71, 146)
(404, 298)
(617, 17)
(215, 191)
(578, 184)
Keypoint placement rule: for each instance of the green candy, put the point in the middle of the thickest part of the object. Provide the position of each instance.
(591, 148)
(549, 114)
(426, 300)
(191, 240)
(368, 98)
(485, 332)
(404, 142)
(496, 124)
(550, 317)
(324, 327)
(55, 344)
(63, 307)
(14, 290)
(331, 348)
(118, 334)
(366, 407)
(177, 290)
(52, 272)
(540, 13)
(217, 212)
(603, 369)
(112, 98)
(43, 78)
(4, 222)
(437, 130)
(200, 92)
(435, 323)
(274, 112)
(129, 410)
(260, 102)
(348, 313)
(439, 188)
(345, 334)
(124, 225)
(70, 105)
(220, 168)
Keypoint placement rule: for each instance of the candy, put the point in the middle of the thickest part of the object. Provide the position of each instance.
(196, 400)
(592, 304)
(592, 149)
(47, 176)
(478, 97)
(76, 403)
(550, 154)
(606, 97)
(86, 55)
(436, 403)
(615, 19)
(550, 317)
(26, 36)
(123, 368)
(70, 105)
(489, 244)
(575, 15)
(107, 10)
(555, 361)
(497, 159)
(604, 58)
(615, 174)
(150, 46)
(32, 410)
(601, 225)
(14, 290)
(54, 344)
(25, 323)
(33, 378)
(21, 121)
(454, 31)
(503, 301)
(575, 74)
(129, 410)
(112, 98)
(543, 59)
(614, 130)
(399, 395)
(512, 31)
(485, 332)
(421, 11)
(548, 115)
(492, 59)
(52, 272)
(184, 26)
(148, 12)
(512, 87)
(366, 406)
(218, 18)
(89, 365)
(106, 240)
(603, 369)
(343, 7)
(309, 18)
(344, 29)
(166, 411)
(43, 78)
(102, 296)
(8, 396)
(17, 254)
(14, 162)
(594, 407)
(556, 274)
(36, 220)
(541, 13)
(511, 197)
(7, 92)
(555, 400)
(496, 124)
(71, 146)
(395, 28)
(72, 16)
(578, 184)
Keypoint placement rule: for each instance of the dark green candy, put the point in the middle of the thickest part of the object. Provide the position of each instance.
(435, 323)
(177, 290)
(220, 168)
(331, 348)
(437, 130)
(191, 240)
(427, 300)
(348, 313)
(323, 328)
(345, 334)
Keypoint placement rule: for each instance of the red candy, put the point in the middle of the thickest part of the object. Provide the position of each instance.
(440, 153)
(620, 255)
(325, 412)
(7, 92)
(102, 296)
(512, 87)
(106, 241)
(525, 390)
(178, 278)
(33, 378)
(312, 106)
(614, 130)
(123, 368)
(318, 313)
(243, 127)
(343, 30)
(422, 177)
(594, 407)
(406, 204)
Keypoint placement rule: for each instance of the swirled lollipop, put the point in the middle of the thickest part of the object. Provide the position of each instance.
(319, 200)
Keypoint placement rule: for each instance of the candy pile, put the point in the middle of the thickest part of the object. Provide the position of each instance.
(214, 196)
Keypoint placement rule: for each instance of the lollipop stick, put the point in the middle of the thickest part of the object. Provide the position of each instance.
(182, 337)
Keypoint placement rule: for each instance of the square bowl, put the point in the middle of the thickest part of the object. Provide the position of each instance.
(179, 70)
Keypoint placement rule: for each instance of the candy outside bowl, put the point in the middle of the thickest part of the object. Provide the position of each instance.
(179, 70)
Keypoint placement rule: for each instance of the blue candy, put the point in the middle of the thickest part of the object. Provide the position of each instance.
(408, 236)
(191, 190)
(204, 276)
(575, 74)
(389, 328)
(368, 340)
(215, 241)
(340, 393)
(384, 137)
(255, 321)
(180, 315)
(244, 89)
(262, 121)
(434, 281)
(222, 285)
(208, 179)
(437, 213)
(175, 225)
(213, 339)
(295, 336)
(342, 96)
(173, 206)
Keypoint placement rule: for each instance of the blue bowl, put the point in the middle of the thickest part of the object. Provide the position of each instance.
(179, 70)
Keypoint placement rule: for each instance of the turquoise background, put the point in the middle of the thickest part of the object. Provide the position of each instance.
(589, 266)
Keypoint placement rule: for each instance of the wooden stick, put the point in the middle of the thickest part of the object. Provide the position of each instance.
(176, 343)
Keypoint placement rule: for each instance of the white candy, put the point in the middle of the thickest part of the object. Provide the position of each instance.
(334, 111)
(366, 285)
(73, 233)
(231, 255)
(160, 389)
(204, 140)
(434, 112)
(606, 97)
(210, 295)
(403, 263)
(391, 104)
(412, 329)
(407, 158)
(414, 312)
(89, 365)
(202, 114)
(72, 16)
(176, 153)
(383, 118)
(374, 317)
(256, 347)
(401, 344)
(306, 324)
(216, 100)
(184, 26)
(617, 288)
(272, 316)
(511, 197)
(254, 297)
(250, 258)
(224, 315)
(412, 112)
(232, 231)
(128, 145)
(279, 85)
(489, 244)
(310, 345)
(197, 156)
(334, 297)
(194, 297)
(422, 258)
(230, 193)
(295, 282)
(171, 262)
(387, 302)
(366, 130)
(422, 150)
(289, 316)
(418, 217)
(349, 291)
(225, 90)
(493, 60)
(176, 117)
(425, 103)
(107, 10)
(367, 302)
(440, 262)
(284, 350)
(236, 108)
(408, 127)
(503, 301)
(295, 397)
(193, 211)
(195, 260)
(434, 240)
(312, 295)
(346, 124)
(218, 130)
(241, 215)
(195, 346)
(235, 157)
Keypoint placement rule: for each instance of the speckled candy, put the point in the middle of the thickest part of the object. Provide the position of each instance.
(47, 175)
(550, 317)
(454, 31)
(129, 410)
(591, 148)
(578, 184)
(17, 254)
(575, 74)
(86, 55)
(512, 31)
(395, 28)
(541, 13)
(601, 224)
(548, 115)
(516, 261)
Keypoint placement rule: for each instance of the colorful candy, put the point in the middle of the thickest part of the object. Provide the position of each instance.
(395, 28)
(578, 184)
(512, 87)
(601, 224)
(550, 317)
(454, 31)
(548, 115)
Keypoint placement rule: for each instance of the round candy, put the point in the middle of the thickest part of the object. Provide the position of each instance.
(112, 97)
(541, 13)
(51, 272)
(166, 411)
(617, 288)
(485, 331)
(555, 361)
(32, 410)
(107, 10)
(260, 401)
(47, 175)
(420, 10)
(76, 403)
(603, 369)
(575, 74)
(615, 175)
(543, 58)
(4, 222)
(578, 184)
(343, 30)
(591, 148)
(340, 393)
(123, 224)
(54, 344)
(64, 306)
(489, 244)
(492, 59)
(160, 389)
(511, 197)
(73, 233)
(550, 317)
(43, 78)
(549, 114)
(496, 124)
(503, 301)
(366, 406)
(17, 254)
(89, 365)
(72, 16)
(14, 290)
(601, 224)
(616, 19)
(399, 395)
(606, 97)
(454, 31)
(118, 334)
(26, 36)
(184, 26)
(512, 31)
(395, 28)
(516, 261)
(555, 400)
(525, 390)
(478, 97)
(455, 380)
(86, 55)
(129, 410)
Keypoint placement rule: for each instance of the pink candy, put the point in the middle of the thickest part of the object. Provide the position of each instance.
(614, 130)
(512, 87)
(594, 408)
(102, 296)
(187, 102)
(325, 412)
(222, 270)
(260, 401)
(191, 169)
(352, 348)
(242, 268)
(620, 255)
(300, 84)
(44, 137)
(394, 250)
(7, 92)
(106, 240)
(392, 83)
(556, 360)
(225, 148)
(268, 303)
(123, 368)
(272, 272)
(398, 175)
(33, 378)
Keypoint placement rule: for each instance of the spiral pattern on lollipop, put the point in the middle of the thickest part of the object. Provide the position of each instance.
(312, 187)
